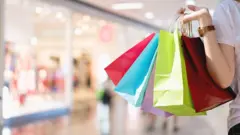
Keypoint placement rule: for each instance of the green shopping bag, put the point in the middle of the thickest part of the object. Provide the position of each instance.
(171, 92)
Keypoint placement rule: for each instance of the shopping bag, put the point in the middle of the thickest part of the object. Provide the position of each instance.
(120, 66)
(171, 92)
(132, 86)
(205, 93)
(147, 105)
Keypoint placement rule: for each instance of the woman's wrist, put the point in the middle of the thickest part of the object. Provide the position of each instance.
(205, 20)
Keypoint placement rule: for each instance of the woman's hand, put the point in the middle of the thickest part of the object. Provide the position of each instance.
(220, 57)
(200, 14)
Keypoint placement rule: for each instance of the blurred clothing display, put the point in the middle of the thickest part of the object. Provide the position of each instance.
(85, 71)
(56, 75)
(82, 72)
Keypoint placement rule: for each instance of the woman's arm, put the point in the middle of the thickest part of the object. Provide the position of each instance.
(220, 60)
(220, 57)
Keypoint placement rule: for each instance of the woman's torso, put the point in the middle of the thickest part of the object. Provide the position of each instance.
(232, 9)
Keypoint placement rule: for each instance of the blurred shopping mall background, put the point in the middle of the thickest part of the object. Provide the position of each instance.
(55, 52)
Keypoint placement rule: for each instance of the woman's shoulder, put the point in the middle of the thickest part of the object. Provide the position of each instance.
(227, 9)
(228, 5)
(226, 19)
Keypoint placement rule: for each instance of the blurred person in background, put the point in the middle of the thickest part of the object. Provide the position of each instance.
(108, 93)
(84, 99)
(175, 125)
(56, 78)
(153, 120)
(85, 70)
(107, 107)
(75, 74)
(221, 38)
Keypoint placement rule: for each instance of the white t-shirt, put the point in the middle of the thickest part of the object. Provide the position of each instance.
(227, 22)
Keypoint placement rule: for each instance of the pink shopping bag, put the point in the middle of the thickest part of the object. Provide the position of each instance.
(147, 105)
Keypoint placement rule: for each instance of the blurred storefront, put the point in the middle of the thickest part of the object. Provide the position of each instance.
(33, 78)
(55, 55)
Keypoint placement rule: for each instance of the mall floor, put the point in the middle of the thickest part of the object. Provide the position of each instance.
(95, 122)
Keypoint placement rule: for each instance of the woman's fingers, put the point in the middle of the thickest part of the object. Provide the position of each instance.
(190, 17)
(193, 8)
(195, 15)
(198, 12)
(181, 11)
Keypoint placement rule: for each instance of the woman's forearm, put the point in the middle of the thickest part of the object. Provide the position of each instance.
(217, 64)
(220, 57)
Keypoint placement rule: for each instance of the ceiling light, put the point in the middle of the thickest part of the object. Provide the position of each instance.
(86, 18)
(59, 15)
(149, 15)
(125, 6)
(77, 31)
(38, 10)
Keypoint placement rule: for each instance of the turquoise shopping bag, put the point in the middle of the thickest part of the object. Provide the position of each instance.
(133, 85)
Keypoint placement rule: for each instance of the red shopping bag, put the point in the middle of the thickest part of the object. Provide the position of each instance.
(206, 95)
(120, 66)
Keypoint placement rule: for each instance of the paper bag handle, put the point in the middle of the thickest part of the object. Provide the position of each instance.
(185, 29)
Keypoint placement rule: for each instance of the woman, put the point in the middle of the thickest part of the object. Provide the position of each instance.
(221, 37)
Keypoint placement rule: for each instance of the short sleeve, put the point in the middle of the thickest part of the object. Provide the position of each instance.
(223, 23)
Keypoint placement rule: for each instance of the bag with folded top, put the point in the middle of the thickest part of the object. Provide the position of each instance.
(206, 94)
(133, 85)
(171, 91)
